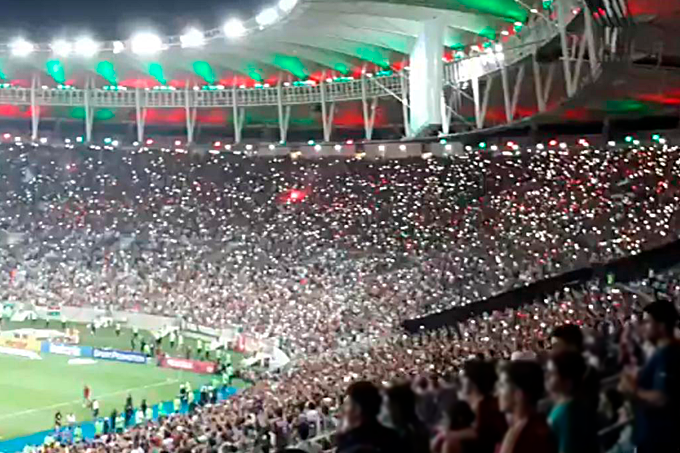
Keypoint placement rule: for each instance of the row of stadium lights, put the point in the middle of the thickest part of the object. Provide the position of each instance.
(147, 43)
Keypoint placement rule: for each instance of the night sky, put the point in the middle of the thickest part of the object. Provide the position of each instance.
(115, 19)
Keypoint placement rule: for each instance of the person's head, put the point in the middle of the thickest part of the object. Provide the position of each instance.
(567, 337)
(660, 317)
(478, 378)
(362, 403)
(401, 403)
(303, 431)
(565, 373)
(520, 386)
(459, 415)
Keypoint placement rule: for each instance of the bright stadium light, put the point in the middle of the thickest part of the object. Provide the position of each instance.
(61, 48)
(20, 47)
(267, 17)
(192, 38)
(287, 5)
(118, 46)
(146, 43)
(234, 28)
(86, 47)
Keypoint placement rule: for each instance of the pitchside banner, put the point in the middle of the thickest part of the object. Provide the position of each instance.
(193, 366)
(118, 356)
(27, 343)
(67, 349)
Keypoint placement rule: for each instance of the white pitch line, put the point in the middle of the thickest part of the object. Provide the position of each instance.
(107, 395)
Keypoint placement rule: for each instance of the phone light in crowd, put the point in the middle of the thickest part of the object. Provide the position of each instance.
(80, 139)
(402, 147)
(217, 144)
(149, 141)
(510, 144)
(7, 136)
(310, 142)
(337, 147)
(381, 148)
(442, 141)
(656, 137)
(540, 146)
(108, 140)
(146, 43)
(249, 147)
(20, 47)
(272, 147)
(350, 142)
(234, 28)
(192, 38)
(178, 142)
(629, 139)
(43, 140)
(611, 143)
(227, 147)
(494, 148)
(482, 145)
(448, 147)
(267, 17)
(115, 143)
(317, 148)
(552, 142)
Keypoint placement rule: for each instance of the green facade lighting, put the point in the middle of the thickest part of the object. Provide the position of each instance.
(55, 70)
(205, 71)
(107, 71)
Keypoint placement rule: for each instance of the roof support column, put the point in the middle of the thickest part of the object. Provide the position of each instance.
(89, 111)
(239, 117)
(405, 108)
(190, 114)
(566, 54)
(426, 77)
(140, 115)
(369, 116)
(327, 113)
(284, 114)
(35, 109)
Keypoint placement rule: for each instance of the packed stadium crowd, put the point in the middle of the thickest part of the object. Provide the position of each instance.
(318, 254)
(330, 256)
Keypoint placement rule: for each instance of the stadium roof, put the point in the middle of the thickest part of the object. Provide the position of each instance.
(294, 40)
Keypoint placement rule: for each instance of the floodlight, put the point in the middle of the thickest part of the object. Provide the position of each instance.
(192, 38)
(86, 47)
(234, 28)
(61, 48)
(146, 43)
(287, 5)
(20, 47)
(267, 17)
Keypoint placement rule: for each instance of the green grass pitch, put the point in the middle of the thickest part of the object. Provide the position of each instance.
(31, 391)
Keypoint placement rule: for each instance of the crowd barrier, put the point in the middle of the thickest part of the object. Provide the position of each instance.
(623, 270)
(25, 344)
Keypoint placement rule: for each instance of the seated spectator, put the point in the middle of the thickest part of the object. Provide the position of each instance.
(520, 389)
(305, 444)
(571, 419)
(362, 429)
(458, 420)
(655, 391)
(401, 403)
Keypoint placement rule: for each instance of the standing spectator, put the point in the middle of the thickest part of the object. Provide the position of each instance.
(520, 389)
(459, 418)
(655, 391)
(414, 436)
(569, 337)
(571, 418)
(305, 444)
(362, 406)
(478, 381)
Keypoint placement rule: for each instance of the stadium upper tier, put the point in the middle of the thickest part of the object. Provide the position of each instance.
(400, 67)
